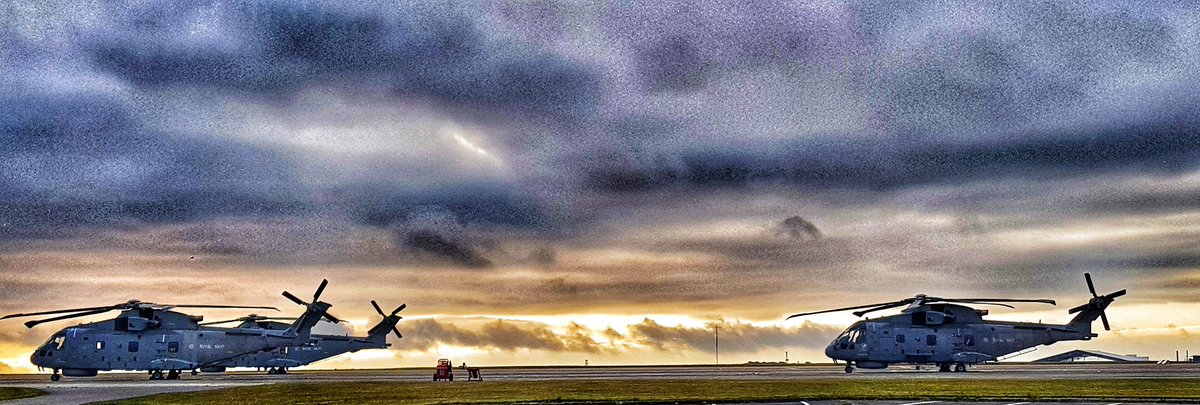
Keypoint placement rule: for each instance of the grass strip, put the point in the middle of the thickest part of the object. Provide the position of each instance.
(690, 391)
(8, 393)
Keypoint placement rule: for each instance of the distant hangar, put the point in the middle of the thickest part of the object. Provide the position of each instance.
(1092, 356)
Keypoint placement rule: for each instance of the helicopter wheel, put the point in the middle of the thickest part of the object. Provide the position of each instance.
(271, 370)
(56, 376)
(281, 370)
(849, 369)
(959, 368)
(173, 375)
(156, 375)
(944, 368)
(194, 372)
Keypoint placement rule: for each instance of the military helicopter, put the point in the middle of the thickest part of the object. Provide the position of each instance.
(934, 330)
(319, 347)
(153, 337)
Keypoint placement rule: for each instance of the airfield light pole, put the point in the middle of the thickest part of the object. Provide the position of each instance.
(717, 334)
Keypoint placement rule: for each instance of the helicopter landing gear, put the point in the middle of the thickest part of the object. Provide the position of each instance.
(276, 370)
(194, 372)
(959, 368)
(156, 375)
(56, 376)
(944, 368)
(849, 369)
(173, 375)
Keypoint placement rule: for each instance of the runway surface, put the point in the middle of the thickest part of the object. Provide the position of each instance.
(110, 386)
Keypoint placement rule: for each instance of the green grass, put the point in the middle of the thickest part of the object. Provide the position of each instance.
(7, 393)
(669, 391)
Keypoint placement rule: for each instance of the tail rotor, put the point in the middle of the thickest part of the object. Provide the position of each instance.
(1098, 302)
(388, 317)
(316, 300)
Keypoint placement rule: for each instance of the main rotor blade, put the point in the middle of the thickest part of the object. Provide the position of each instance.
(398, 335)
(57, 311)
(317, 295)
(1104, 318)
(37, 322)
(294, 299)
(220, 322)
(905, 301)
(1033, 300)
(378, 309)
(222, 306)
(879, 308)
(1092, 288)
(981, 303)
(399, 308)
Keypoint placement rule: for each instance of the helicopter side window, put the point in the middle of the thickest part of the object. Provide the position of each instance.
(59, 341)
(99, 345)
(969, 340)
(173, 347)
(133, 346)
(931, 340)
(899, 338)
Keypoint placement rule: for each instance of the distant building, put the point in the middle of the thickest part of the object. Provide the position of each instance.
(1091, 356)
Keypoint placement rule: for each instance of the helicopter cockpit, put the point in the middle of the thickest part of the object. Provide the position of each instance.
(52, 345)
(851, 337)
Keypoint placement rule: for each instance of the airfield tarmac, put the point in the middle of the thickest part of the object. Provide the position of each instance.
(109, 386)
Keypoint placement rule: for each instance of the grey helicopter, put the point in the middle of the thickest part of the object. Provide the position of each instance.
(319, 347)
(154, 338)
(935, 330)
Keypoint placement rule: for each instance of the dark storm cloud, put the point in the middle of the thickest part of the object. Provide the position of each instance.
(438, 245)
(1158, 147)
(72, 162)
(421, 50)
(798, 228)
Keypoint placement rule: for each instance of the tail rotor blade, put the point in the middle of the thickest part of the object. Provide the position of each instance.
(397, 331)
(1115, 295)
(1078, 308)
(317, 296)
(1104, 318)
(377, 308)
(294, 299)
(1091, 287)
(399, 308)
(332, 318)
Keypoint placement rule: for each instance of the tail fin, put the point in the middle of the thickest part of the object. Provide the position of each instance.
(313, 313)
(1093, 309)
(378, 333)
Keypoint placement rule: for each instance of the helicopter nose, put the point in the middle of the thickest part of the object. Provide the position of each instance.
(829, 351)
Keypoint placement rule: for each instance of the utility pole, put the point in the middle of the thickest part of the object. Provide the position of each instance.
(785, 357)
(717, 334)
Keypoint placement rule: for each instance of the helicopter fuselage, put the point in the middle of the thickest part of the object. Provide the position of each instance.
(942, 334)
(159, 340)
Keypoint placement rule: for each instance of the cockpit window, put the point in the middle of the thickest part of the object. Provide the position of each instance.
(58, 341)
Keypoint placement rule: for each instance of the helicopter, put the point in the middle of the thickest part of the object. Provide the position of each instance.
(153, 337)
(935, 330)
(319, 347)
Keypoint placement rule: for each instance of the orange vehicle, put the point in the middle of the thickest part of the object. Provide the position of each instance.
(444, 371)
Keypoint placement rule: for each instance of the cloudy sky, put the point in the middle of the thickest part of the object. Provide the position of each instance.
(545, 182)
